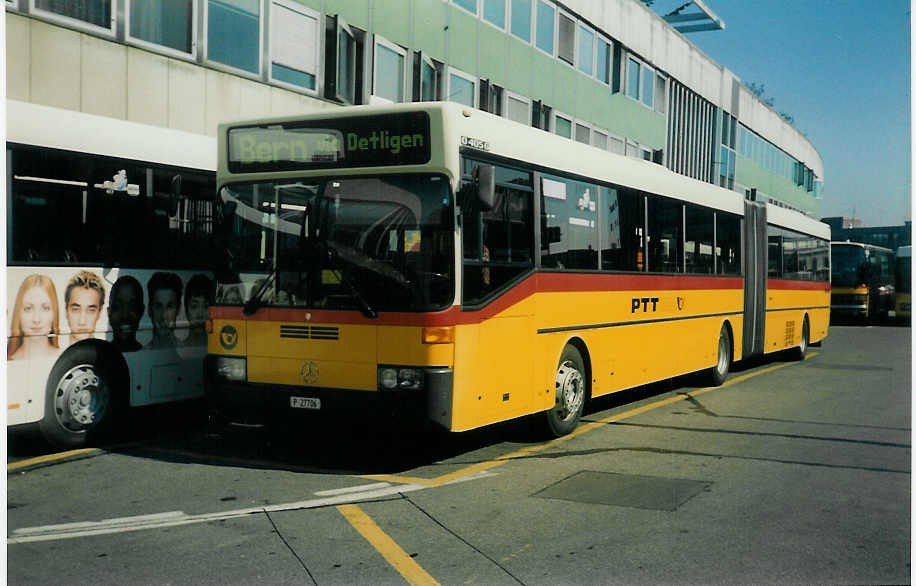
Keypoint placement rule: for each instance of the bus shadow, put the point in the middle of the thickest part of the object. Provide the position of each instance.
(346, 445)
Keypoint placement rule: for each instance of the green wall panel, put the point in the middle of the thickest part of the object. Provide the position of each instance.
(542, 83)
(492, 51)
(392, 20)
(313, 4)
(429, 28)
(355, 12)
(462, 40)
(749, 174)
(518, 75)
(629, 118)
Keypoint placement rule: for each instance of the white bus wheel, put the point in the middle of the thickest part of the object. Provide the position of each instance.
(571, 389)
(81, 399)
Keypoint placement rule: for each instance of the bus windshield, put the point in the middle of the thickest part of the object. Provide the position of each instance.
(369, 243)
(848, 264)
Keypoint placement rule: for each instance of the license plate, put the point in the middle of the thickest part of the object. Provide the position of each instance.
(304, 403)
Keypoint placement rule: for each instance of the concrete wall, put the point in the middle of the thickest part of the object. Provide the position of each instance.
(55, 66)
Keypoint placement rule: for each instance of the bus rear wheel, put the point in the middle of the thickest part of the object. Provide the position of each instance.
(719, 372)
(81, 399)
(798, 353)
(571, 387)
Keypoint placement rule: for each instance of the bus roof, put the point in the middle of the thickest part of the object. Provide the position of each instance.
(475, 130)
(861, 245)
(37, 125)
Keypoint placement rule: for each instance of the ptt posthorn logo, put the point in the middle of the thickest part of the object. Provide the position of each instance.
(228, 337)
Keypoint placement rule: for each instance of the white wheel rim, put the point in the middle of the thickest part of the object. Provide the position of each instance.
(570, 389)
(81, 398)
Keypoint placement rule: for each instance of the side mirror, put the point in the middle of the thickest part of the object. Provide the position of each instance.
(485, 182)
(175, 195)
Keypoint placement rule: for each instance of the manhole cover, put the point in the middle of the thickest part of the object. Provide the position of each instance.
(625, 490)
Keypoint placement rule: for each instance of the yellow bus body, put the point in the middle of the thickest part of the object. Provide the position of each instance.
(505, 360)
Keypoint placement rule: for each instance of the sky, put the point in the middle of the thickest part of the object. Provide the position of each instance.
(841, 69)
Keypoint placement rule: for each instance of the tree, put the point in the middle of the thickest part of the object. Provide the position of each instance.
(759, 90)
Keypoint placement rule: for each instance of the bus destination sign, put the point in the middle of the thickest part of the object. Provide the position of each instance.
(358, 141)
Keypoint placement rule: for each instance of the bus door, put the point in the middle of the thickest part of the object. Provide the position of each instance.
(755, 277)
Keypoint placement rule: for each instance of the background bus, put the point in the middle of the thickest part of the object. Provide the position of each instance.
(108, 246)
(903, 277)
(863, 281)
(481, 270)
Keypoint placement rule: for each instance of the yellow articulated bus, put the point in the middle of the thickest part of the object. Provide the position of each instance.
(480, 270)
(903, 277)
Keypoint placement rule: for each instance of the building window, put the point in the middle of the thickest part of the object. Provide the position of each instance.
(94, 15)
(521, 19)
(648, 85)
(562, 125)
(165, 24)
(546, 17)
(633, 78)
(388, 78)
(541, 115)
(566, 38)
(294, 43)
(426, 79)
(494, 12)
(341, 55)
(640, 82)
(491, 98)
(469, 5)
(603, 61)
(616, 145)
(234, 33)
(583, 133)
(462, 88)
(599, 139)
(586, 50)
(518, 108)
(661, 93)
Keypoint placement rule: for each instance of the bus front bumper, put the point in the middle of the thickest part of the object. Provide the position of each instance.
(255, 404)
(849, 310)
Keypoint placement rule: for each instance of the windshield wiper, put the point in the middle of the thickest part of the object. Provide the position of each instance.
(254, 302)
(333, 256)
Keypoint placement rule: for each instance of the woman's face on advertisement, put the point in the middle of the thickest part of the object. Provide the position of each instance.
(37, 312)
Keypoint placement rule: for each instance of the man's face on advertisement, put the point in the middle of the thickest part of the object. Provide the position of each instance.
(83, 311)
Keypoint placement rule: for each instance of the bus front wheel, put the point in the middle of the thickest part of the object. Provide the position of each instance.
(81, 398)
(571, 386)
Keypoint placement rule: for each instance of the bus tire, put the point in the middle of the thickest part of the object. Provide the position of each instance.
(83, 396)
(799, 352)
(719, 372)
(571, 390)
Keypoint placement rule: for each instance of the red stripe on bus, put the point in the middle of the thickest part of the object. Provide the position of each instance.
(786, 285)
(564, 282)
(538, 282)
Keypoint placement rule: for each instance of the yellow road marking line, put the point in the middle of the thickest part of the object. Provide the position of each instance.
(49, 458)
(583, 428)
(390, 550)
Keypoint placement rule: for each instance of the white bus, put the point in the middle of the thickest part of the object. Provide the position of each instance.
(108, 256)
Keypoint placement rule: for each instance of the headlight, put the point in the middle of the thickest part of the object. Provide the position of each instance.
(231, 368)
(400, 377)
(387, 378)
